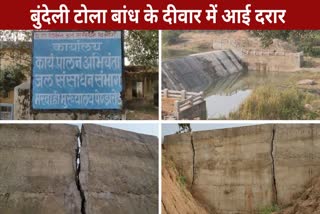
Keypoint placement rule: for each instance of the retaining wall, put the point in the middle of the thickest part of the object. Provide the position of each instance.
(241, 170)
(38, 169)
(118, 171)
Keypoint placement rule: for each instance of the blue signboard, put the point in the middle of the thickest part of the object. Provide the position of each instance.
(77, 70)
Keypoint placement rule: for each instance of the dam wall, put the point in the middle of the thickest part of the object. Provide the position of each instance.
(198, 71)
(58, 169)
(244, 169)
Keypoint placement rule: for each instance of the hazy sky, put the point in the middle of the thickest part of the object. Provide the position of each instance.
(150, 128)
(168, 129)
(146, 128)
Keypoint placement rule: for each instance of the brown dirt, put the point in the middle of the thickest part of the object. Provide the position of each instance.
(312, 62)
(203, 40)
(168, 106)
(308, 202)
(142, 114)
(176, 198)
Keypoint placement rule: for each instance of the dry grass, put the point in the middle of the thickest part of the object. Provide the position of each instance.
(272, 103)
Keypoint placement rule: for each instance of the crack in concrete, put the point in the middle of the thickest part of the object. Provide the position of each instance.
(146, 146)
(274, 182)
(77, 177)
(193, 159)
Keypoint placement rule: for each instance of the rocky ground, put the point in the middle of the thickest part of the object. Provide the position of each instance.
(167, 107)
(202, 41)
(306, 203)
(143, 113)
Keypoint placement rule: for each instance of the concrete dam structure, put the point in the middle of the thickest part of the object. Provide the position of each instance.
(38, 169)
(242, 170)
(262, 60)
(119, 171)
(198, 71)
(44, 170)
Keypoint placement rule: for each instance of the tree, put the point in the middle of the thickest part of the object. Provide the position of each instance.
(170, 37)
(305, 40)
(16, 43)
(10, 77)
(142, 47)
(267, 36)
(15, 35)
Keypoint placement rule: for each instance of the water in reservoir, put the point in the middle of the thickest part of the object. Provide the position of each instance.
(227, 94)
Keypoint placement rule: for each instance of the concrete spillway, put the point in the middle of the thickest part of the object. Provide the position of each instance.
(197, 72)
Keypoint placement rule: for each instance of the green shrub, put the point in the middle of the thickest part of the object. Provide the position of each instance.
(170, 37)
(272, 103)
(11, 77)
(182, 180)
(269, 209)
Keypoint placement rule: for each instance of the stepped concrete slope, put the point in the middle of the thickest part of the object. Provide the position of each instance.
(38, 169)
(119, 171)
(241, 170)
(197, 72)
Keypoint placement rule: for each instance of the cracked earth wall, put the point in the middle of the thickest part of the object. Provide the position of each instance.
(38, 172)
(241, 170)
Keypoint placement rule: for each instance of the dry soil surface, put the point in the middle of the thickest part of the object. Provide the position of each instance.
(308, 202)
(176, 198)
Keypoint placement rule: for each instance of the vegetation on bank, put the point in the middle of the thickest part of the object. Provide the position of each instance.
(173, 37)
(170, 37)
(180, 178)
(275, 103)
(269, 209)
(307, 41)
